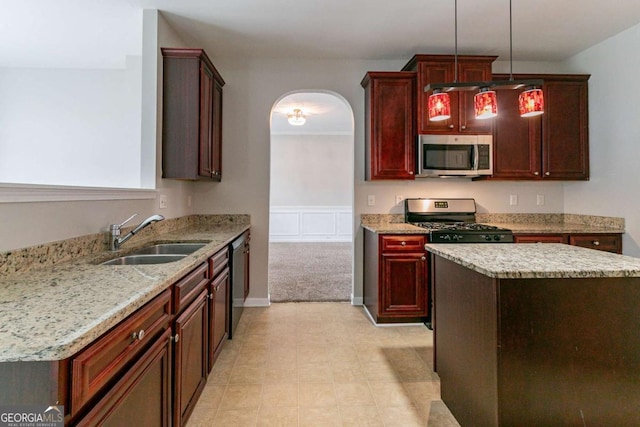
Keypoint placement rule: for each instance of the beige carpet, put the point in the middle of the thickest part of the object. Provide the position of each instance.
(310, 272)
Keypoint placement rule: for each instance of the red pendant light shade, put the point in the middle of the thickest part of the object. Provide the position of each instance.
(486, 104)
(531, 103)
(439, 106)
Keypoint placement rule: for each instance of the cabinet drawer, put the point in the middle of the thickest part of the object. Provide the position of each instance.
(218, 262)
(187, 289)
(410, 243)
(104, 360)
(539, 238)
(601, 242)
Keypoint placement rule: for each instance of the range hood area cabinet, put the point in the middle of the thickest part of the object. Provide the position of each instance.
(553, 146)
(192, 116)
(390, 125)
(441, 69)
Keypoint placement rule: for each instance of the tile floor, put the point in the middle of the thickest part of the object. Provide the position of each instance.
(322, 364)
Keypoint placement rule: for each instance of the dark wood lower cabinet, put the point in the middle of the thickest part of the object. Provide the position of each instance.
(142, 396)
(396, 281)
(600, 241)
(190, 357)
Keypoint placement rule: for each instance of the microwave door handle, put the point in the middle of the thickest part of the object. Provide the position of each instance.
(476, 158)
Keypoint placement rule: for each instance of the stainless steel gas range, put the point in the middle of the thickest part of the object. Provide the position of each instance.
(452, 221)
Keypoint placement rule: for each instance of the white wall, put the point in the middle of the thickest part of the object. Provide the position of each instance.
(311, 170)
(27, 224)
(614, 134)
(70, 126)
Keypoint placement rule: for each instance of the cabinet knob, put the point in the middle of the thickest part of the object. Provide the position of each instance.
(138, 335)
(424, 258)
(211, 296)
(596, 243)
(404, 243)
(410, 172)
(175, 338)
(536, 173)
(547, 173)
(463, 127)
(450, 126)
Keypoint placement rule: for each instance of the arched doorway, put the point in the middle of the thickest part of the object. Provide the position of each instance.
(311, 198)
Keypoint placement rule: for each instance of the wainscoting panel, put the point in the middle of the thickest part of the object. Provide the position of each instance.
(310, 224)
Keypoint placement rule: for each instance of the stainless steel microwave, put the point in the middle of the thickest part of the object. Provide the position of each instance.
(454, 155)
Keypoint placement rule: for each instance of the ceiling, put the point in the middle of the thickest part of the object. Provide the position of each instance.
(100, 33)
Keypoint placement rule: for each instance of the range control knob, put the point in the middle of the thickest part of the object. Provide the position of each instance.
(497, 237)
(487, 238)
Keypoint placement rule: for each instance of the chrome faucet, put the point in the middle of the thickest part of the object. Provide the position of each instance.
(115, 241)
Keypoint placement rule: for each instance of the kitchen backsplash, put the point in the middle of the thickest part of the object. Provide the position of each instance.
(48, 254)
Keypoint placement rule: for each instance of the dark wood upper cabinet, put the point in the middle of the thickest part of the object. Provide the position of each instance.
(389, 125)
(441, 69)
(192, 116)
(554, 146)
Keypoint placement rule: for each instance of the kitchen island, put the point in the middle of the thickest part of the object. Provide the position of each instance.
(539, 334)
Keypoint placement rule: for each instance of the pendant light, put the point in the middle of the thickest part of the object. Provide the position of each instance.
(439, 104)
(296, 118)
(486, 104)
(530, 102)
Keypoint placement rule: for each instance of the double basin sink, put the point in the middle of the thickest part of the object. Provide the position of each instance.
(160, 253)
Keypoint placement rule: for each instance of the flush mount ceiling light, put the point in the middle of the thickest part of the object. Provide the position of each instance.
(530, 102)
(296, 118)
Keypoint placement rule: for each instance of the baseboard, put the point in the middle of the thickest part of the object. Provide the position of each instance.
(357, 300)
(257, 302)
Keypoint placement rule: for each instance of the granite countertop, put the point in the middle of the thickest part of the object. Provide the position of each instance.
(54, 312)
(518, 223)
(531, 261)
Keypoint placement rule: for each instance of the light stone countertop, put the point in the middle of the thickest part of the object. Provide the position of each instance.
(52, 313)
(394, 228)
(537, 260)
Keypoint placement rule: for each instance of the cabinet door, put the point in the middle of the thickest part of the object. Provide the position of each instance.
(435, 72)
(389, 132)
(565, 129)
(472, 71)
(142, 396)
(601, 242)
(247, 264)
(190, 358)
(206, 122)
(516, 140)
(218, 315)
(403, 289)
(539, 238)
(216, 133)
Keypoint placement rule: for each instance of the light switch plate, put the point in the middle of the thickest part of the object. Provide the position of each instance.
(540, 199)
(371, 200)
(163, 201)
(399, 200)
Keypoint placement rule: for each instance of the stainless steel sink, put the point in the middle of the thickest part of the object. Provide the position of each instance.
(144, 259)
(169, 248)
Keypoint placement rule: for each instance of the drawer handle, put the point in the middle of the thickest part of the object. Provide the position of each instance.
(175, 338)
(596, 243)
(404, 243)
(138, 335)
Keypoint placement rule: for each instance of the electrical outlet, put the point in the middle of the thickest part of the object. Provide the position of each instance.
(371, 200)
(163, 201)
(513, 199)
(540, 199)
(399, 200)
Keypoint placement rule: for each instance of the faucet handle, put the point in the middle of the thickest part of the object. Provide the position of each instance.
(128, 219)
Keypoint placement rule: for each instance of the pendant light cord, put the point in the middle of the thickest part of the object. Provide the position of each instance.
(510, 42)
(455, 58)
